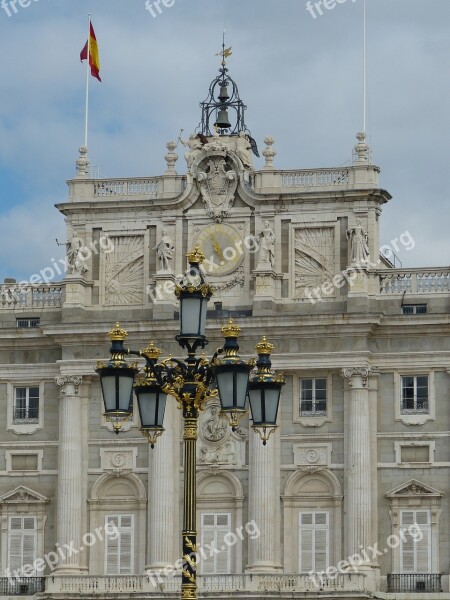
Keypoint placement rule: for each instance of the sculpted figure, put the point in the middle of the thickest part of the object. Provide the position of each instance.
(194, 145)
(266, 241)
(164, 250)
(215, 428)
(358, 239)
(75, 260)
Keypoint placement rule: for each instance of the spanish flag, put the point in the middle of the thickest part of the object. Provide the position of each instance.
(91, 47)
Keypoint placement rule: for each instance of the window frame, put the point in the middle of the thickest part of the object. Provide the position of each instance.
(218, 539)
(108, 540)
(27, 420)
(423, 527)
(415, 398)
(22, 532)
(312, 420)
(418, 418)
(314, 528)
(24, 428)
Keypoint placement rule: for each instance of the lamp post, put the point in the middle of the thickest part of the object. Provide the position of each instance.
(192, 382)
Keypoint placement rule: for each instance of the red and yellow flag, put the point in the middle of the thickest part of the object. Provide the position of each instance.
(94, 60)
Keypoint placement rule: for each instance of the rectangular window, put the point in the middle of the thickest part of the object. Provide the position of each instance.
(22, 542)
(415, 395)
(215, 526)
(415, 553)
(313, 399)
(27, 323)
(414, 309)
(26, 405)
(119, 550)
(313, 541)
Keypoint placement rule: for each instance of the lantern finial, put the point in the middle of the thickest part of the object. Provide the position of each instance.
(264, 347)
(195, 256)
(231, 330)
(117, 334)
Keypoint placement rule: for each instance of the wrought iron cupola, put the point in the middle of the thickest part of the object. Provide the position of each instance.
(223, 109)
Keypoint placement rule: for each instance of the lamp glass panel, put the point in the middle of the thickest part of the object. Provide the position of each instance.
(109, 391)
(241, 388)
(190, 315)
(152, 405)
(225, 383)
(204, 310)
(125, 391)
(272, 396)
(255, 396)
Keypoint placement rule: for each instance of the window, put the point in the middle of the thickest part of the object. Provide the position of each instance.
(313, 397)
(26, 405)
(414, 309)
(215, 526)
(415, 553)
(119, 550)
(313, 541)
(22, 542)
(414, 395)
(27, 323)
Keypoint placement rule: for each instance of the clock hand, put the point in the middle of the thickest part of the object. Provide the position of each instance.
(217, 248)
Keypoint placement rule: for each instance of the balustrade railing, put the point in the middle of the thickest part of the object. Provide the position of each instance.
(207, 584)
(127, 187)
(21, 586)
(30, 296)
(315, 178)
(415, 281)
(414, 582)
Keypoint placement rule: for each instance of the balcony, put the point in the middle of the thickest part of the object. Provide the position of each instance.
(21, 586)
(255, 585)
(414, 582)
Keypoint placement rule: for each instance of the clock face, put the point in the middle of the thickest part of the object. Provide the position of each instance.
(223, 248)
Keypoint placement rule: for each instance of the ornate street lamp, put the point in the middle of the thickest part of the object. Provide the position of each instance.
(264, 392)
(192, 382)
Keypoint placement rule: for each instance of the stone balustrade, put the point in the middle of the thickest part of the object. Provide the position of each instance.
(415, 281)
(14, 296)
(69, 585)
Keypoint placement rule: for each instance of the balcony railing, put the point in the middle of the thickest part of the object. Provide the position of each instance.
(21, 586)
(29, 296)
(415, 281)
(414, 582)
(207, 584)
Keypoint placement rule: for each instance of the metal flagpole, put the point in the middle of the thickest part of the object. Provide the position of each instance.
(87, 82)
(364, 68)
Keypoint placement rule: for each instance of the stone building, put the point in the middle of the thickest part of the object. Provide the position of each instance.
(361, 459)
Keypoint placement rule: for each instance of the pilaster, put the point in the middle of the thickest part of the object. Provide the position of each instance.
(70, 494)
(264, 554)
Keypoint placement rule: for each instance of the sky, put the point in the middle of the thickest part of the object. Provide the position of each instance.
(298, 71)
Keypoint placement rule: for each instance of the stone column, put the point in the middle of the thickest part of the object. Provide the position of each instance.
(164, 542)
(264, 503)
(358, 467)
(70, 499)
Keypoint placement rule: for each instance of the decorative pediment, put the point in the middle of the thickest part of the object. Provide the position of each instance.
(23, 495)
(413, 488)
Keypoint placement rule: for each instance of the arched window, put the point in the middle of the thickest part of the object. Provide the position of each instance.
(118, 511)
(312, 508)
(219, 515)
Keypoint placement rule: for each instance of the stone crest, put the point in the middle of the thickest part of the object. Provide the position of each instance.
(218, 184)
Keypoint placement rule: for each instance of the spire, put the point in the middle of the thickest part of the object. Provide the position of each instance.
(223, 109)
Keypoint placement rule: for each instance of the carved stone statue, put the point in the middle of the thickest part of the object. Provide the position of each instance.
(359, 244)
(194, 145)
(164, 250)
(266, 241)
(215, 428)
(75, 260)
(244, 150)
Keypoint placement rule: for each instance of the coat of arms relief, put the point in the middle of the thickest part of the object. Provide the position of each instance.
(218, 183)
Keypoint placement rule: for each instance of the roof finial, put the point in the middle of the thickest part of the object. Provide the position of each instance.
(225, 53)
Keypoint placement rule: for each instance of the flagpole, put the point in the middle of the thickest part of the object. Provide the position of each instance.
(364, 68)
(87, 82)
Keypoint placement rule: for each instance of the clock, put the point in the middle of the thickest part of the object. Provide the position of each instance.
(223, 248)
